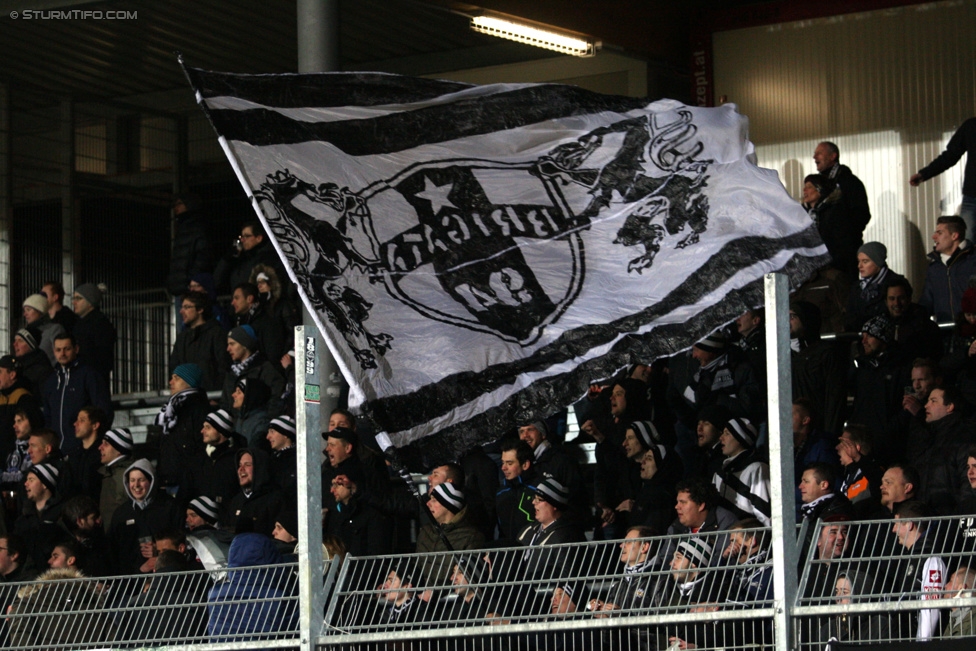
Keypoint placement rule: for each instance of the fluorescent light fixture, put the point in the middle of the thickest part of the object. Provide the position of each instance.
(533, 36)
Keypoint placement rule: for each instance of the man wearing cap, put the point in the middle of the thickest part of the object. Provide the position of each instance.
(878, 379)
(259, 501)
(35, 314)
(713, 373)
(73, 386)
(212, 472)
(38, 523)
(743, 482)
(284, 462)
(201, 514)
(180, 420)
(867, 298)
(248, 361)
(550, 528)
(93, 331)
(81, 466)
(951, 265)
(15, 395)
(115, 452)
(248, 310)
(448, 506)
(35, 365)
(689, 557)
(202, 341)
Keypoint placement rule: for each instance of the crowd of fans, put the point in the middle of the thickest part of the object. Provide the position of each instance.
(882, 429)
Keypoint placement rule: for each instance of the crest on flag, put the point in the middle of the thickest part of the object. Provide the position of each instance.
(479, 243)
(477, 255)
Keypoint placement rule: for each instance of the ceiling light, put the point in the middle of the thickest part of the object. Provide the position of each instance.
(532, 36)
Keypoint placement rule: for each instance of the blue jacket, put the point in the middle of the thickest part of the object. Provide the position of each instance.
(945, 283)
(270, 617)
(65, 392)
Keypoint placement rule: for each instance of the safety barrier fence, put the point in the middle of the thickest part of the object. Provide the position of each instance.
(239, 608)
(862, 582)
(887, 581)
(709, 591)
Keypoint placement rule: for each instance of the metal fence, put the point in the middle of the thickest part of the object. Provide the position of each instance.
(863, 582)
(253, 607)
(712, 591)
(886, 581)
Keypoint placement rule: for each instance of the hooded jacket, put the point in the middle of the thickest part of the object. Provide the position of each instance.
(257, 508)
(60, 613)
(134, 520)
(253, 420)
(270, 588)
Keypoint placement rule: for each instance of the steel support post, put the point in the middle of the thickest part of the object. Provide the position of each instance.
(780, 401)
(311, 361)
(318, 35)
(69, 229)
(7, 317)
(317, 378)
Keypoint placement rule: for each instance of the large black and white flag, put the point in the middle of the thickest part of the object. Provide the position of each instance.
(477, 255)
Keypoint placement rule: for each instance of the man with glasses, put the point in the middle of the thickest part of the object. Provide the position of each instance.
(202, 342)
(251, 248)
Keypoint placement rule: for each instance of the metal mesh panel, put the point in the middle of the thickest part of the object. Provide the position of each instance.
(624, 594)
(887, 580)
(233, 608)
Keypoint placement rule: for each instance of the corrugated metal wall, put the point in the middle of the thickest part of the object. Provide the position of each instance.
(889, 87)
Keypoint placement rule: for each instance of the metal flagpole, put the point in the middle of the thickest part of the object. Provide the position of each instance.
(781, 482)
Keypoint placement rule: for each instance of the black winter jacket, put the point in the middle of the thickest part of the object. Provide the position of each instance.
(205, 346)
(192, 253)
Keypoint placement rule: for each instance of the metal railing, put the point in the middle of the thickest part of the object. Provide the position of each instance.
(232, 608)
(887, 580)
(862, 582)
(626, 594)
